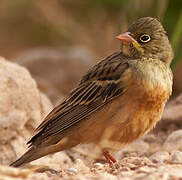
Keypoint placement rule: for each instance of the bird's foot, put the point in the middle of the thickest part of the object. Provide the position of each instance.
(111, 160)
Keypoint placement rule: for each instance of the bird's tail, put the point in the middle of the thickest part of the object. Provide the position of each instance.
(36, 152)
(32, 154)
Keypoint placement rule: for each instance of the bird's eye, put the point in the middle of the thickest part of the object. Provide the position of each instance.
(144, 38)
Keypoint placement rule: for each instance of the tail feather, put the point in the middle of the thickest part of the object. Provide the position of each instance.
(32, 154)
(36, 152)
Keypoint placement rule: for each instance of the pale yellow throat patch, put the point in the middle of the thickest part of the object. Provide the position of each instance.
(126, 49)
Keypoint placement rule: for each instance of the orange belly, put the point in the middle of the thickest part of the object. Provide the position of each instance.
(139, 114)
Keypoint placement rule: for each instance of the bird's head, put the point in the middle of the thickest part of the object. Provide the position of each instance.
(146, 38)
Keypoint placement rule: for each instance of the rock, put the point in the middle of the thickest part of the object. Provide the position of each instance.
(73, 170)
(159, 157)
(172, 113)
(138, 146)
(9, 173)
(98, 166)
(107, 176)
(173, 141)
(176, 157)
(79, 164)
(22, 108)
(46, 105)
(55, 161)
(145, 170)
(57, 71)
(39, 176)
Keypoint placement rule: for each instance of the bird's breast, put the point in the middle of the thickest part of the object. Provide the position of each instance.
(143, 102)
(152, 83)
(152, 77)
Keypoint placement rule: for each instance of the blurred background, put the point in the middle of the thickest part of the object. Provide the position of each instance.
(58, 40)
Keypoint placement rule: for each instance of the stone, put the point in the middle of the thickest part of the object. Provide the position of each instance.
(176, 157)
(173, 141)
(159, 157)
(79, 164)
(107, 176)
(172, 113)
(74, 170)
(22, 108)
(137, 147)
(56, 161)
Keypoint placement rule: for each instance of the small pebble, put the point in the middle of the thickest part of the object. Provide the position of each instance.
(74, 170)
(99, 165)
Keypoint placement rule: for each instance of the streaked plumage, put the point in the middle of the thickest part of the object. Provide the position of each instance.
(117, 101)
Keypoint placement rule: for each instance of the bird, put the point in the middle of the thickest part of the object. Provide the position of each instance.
(118, 100)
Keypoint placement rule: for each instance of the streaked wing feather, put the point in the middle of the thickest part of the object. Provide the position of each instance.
(100, 85)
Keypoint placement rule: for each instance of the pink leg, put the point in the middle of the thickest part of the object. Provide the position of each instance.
(110, 159)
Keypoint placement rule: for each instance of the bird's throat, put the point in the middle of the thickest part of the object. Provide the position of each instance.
(135, 51)
(125, 49)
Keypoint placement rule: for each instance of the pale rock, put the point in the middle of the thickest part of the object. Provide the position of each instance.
(54, 161)
(98, 165)
(39, 176)
(172, 113)
(74, 170)
(176, 157)
(107, 176)
(138, 146)
(145, 170)
(174, 141)
(22, 108)
(79, 164)
(10, 172)
(159, 157)
(46, 105)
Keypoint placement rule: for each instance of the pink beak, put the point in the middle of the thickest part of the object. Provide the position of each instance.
(125, 38)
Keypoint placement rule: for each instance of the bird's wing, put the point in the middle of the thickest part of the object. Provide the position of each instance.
(100, 85)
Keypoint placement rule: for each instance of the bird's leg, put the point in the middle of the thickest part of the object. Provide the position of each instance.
(110, 159)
